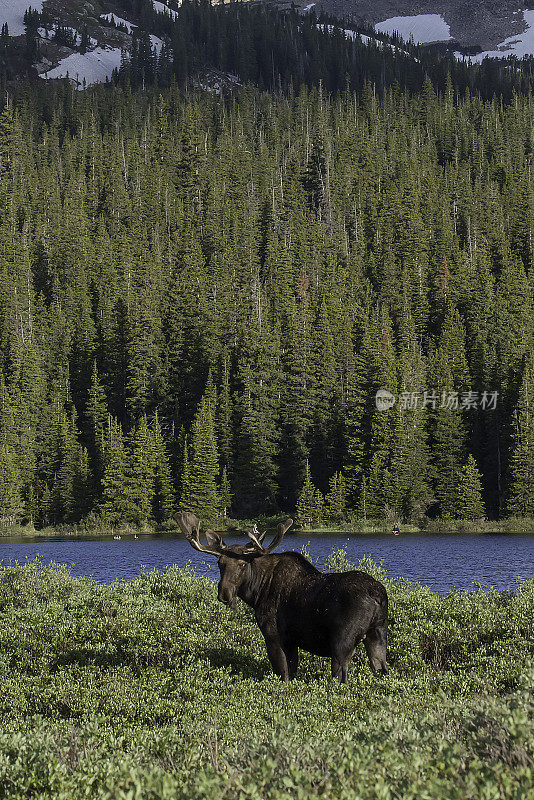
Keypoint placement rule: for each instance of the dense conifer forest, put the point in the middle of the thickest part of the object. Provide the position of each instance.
(201, 295)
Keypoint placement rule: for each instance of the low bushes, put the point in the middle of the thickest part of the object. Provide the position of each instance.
(152, 689)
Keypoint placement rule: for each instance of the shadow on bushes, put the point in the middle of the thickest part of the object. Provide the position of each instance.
(83, 656)
(237, 662)
(440, 655)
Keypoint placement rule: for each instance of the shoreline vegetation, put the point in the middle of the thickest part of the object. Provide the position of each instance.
(354, 527)
(151, 690)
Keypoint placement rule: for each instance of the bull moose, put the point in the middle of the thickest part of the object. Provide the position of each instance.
(295, 604)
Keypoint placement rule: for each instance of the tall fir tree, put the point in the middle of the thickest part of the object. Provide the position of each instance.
(520, 498)
(199, 485)
(469, 503)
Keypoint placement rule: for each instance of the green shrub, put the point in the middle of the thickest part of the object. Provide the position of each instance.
(152, 689)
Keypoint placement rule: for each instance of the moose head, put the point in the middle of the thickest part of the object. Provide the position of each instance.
(235, 561)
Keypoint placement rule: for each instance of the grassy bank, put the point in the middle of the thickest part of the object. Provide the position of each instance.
(353, 527)
(365, 527)
(151, 690)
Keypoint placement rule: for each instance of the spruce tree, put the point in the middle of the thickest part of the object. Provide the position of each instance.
(141, 471)
(469, 502)
(225, 493)
(116, 504)
(520, 496)
(199, 487)
(306, 503)
(336, 499)
(163, 499)
(10, 500)
(97, 414)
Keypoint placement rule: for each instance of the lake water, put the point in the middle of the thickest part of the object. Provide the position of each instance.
(440, 561)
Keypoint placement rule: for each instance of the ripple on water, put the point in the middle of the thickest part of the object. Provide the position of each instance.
(440, 561)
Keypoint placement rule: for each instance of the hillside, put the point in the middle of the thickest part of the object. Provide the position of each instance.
(471, 24)
(201, 298)
(85, 41)
(89, 42)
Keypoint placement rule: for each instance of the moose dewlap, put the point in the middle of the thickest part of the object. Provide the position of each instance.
(296, 605)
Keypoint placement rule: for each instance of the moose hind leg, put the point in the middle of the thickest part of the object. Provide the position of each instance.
(375, 647)
(292, 658)
(341, 659)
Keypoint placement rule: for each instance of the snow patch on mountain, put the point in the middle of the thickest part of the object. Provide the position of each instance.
(157, 43)
(95, 66)
(161, 8)
(422, 28)
(12, 12)
(521, 45)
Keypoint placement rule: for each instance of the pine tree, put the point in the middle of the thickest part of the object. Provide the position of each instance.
(65, 503)
(383, 376)
(225, 493)
(318, 508)
(141, 471)
(85, 40)
(469, 502)
(97, 414)
(336, 499)
(306, 503)
(199, 484)
(410, 490)
(254, 477)
(163, 500)
(116, 504)
(10, 501)
(520, 499)
(356, 428)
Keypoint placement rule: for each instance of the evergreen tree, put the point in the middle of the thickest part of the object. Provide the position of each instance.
(520, 500)
(141, 461)
(336, 499)
(116, 504)
(469, 503)
(225, 493)
(199, 483)
(306, 503)
(163, 500)
(10, 501)
(284, 255)
(255, 468)
(97, 415)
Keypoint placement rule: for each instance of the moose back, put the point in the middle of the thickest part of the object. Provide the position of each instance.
(295, 604)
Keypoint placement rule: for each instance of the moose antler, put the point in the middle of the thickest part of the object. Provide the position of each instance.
(257, 538)
(190, 527)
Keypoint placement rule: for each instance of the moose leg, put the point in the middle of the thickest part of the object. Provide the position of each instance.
(275, 651)
(375, 647)
(340, 665)
(277, 657)
(292, 658)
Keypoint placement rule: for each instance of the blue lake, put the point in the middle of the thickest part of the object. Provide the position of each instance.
(440, 561)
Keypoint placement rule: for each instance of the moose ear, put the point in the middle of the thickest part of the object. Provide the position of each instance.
(214, 540)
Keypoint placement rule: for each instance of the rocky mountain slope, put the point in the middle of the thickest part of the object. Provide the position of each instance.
(86, 40)
(82, 39)
(476, 25)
